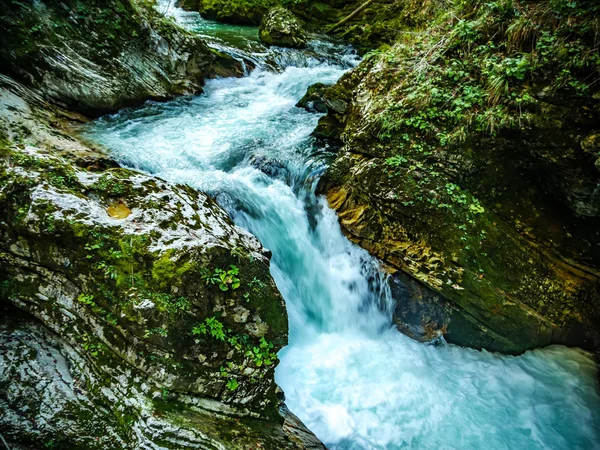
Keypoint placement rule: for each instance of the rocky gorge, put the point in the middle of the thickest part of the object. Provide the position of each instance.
(125, 298)
(460, 154)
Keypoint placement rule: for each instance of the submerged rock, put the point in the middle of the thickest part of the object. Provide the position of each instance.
(282, 28)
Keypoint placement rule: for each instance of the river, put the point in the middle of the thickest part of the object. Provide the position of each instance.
(347, 373)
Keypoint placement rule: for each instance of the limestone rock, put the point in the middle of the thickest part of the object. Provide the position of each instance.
(281, 28)
(96, 57)
(133, 342)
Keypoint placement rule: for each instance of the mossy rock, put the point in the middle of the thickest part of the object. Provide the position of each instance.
(96, 57)
(314, 100)
(145, 306)
(483, 191)
(281, 28)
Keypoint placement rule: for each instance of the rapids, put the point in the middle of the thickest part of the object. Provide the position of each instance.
(347, 373)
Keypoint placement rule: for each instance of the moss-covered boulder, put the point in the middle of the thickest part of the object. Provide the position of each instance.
(280, 27)
(238, 12)
(97, 56)
(468, 163)
(149, 319)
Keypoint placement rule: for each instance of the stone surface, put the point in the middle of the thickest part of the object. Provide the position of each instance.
(314, 100)
(96, 57)
(281, 28)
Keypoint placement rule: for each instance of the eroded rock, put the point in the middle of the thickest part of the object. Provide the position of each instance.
(96, 57)
(139, 342)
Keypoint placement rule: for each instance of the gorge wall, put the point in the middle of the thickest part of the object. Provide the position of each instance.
(134, 313)
(469, 160)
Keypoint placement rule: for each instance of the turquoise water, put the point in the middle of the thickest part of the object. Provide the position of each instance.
(351, 377)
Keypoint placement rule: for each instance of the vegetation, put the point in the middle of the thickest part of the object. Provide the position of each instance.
(479, 72)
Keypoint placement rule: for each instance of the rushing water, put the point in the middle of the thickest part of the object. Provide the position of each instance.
(351, 377)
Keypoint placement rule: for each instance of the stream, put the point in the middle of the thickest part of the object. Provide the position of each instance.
(353, 379)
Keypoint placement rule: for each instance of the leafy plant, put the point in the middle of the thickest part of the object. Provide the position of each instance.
(225, 279)
(212, 326)
(262, 354)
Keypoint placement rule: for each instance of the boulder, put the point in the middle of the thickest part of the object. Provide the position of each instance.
(314, 100)
(282, 28)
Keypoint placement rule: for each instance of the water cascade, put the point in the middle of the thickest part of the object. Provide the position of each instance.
(347, 373)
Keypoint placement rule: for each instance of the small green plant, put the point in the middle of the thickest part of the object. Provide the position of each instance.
(110, 184)
(225, 279)
(256, 284)
(86, 299)
(93, 349)
(160, 331)
(396, 161)
(262, 354)
(212, 326)
(232, 384)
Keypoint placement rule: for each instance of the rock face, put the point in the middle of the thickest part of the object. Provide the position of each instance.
(95, 57)
(314, 100)
(472, 168)
(133, 313)
(156, 319)
(280, 27)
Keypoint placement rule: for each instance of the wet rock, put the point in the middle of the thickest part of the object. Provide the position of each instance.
(420, 313)
(269, 166)
(96, 57)
(281, 28)
(314, 99)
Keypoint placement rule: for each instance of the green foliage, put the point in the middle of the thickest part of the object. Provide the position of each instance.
(471, 80)
(256, 284)
(262, 354)
(211, 326)
(224, 279)
(110, 185)
(86, 299)
(232, 384)
(396, 161)
(160, 331)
